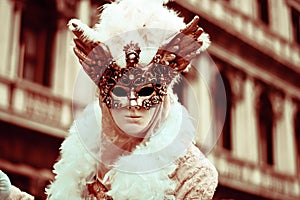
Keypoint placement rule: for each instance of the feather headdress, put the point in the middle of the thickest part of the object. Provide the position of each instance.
(124, 21)
(134, 39)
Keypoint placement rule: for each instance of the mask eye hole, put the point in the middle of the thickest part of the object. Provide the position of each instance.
(145, 91)
(119, 92)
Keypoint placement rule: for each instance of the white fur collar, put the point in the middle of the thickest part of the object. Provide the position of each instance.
(141, 175)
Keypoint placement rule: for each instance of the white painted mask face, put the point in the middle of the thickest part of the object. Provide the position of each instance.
(133, 121)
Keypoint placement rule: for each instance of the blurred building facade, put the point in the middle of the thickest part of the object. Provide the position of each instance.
(37, 74)
(255, 45)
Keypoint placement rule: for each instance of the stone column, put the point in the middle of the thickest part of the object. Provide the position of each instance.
(244, 123)
(16, 50)
(237, 83)
(66, 63)
(246, 6)
(6, 15)
(10, 20)
(197, 99)
(282, 7)
(251, 95)
(84, 11)
(61, 52)
(284, 146)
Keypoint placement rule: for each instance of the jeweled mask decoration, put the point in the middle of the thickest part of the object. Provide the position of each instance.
(137, 85)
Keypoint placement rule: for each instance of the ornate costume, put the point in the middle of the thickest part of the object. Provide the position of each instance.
(134, 56)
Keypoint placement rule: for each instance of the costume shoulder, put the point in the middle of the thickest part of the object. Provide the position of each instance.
(16, 193)
(10, 192)
(77, 164)
(196, 177)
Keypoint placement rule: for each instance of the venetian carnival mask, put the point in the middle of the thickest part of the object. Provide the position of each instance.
(137, 85)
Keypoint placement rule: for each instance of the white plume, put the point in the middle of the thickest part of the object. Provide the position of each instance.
(146, 22)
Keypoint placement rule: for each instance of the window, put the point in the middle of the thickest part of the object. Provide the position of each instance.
(226, 132)
(225, 140)
(263, 11)
(265, 117)
(37, 38)
(296, 24)
(297, 135)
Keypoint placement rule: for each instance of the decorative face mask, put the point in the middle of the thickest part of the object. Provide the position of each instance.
(136, 85)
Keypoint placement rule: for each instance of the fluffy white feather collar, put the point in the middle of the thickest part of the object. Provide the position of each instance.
(141, 175)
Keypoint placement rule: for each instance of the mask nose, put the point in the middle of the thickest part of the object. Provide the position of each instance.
(133, 100)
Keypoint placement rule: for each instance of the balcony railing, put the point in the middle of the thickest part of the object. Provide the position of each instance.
(247, 29)
(252, 178)
(33, 106)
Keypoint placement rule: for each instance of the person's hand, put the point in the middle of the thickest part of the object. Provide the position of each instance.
(5, 186)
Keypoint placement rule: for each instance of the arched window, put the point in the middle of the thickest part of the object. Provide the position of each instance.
(38, 27)
(265, 119)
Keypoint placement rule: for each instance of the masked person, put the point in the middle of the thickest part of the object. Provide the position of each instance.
(136, 141)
